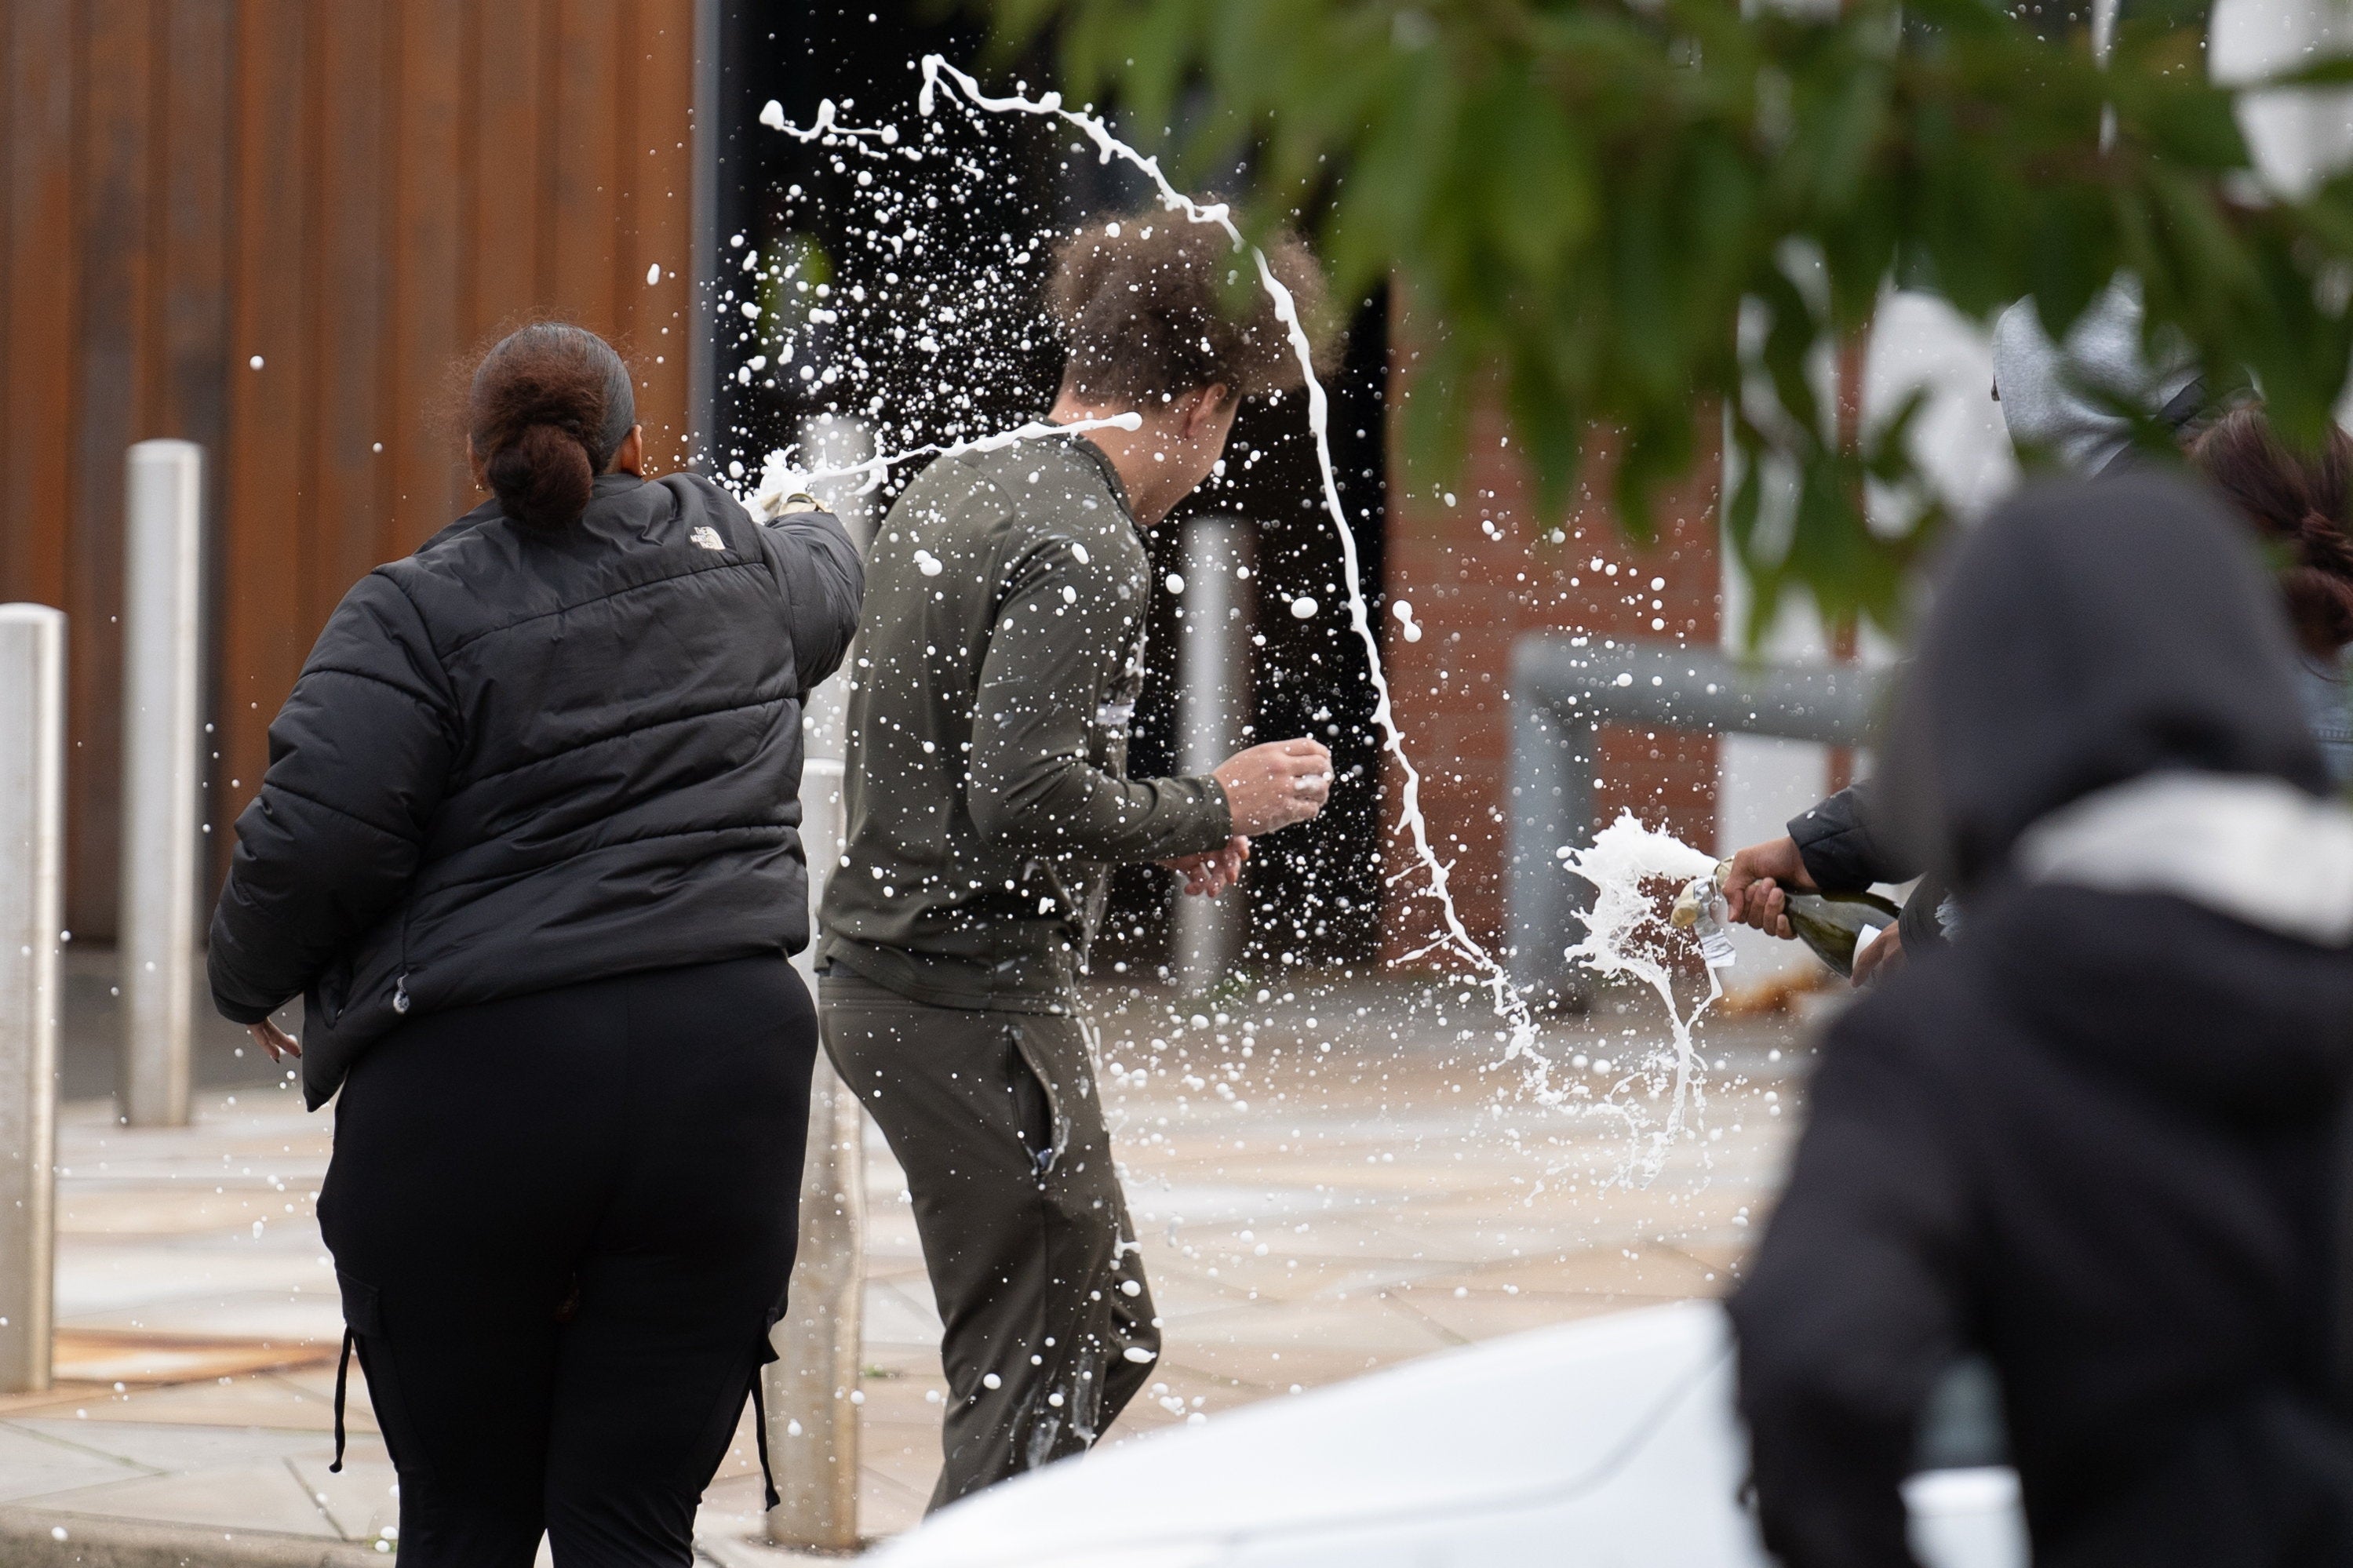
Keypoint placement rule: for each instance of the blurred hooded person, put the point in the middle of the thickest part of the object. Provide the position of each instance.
(2099, 1142)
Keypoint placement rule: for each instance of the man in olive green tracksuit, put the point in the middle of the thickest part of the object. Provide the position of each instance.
(987, 802)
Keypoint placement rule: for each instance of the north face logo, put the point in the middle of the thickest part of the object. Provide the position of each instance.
(707, 538)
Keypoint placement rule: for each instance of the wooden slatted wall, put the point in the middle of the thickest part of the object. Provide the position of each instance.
(279, 228)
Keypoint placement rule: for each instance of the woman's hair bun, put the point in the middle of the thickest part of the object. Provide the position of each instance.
(548, 409)
(2301, 501)
(542, 477)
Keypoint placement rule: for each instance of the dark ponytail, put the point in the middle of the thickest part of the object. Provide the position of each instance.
(2302, 503)
(548, 409)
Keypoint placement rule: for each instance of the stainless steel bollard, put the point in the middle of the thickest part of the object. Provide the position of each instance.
(32, 905)
(820, 1341)
(1212, 706)
(163, 742)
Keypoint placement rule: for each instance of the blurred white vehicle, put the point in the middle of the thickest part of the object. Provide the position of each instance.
(1607, 1442)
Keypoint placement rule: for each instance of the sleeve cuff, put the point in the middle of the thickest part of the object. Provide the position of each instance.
(1222, 811)
(236, 1013)
(235, 1008)
(1839, 855)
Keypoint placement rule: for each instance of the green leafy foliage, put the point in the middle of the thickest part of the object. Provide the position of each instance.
(1628, 217)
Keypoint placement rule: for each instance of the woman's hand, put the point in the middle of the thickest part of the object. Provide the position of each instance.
(274, 1040)
(1213, 871)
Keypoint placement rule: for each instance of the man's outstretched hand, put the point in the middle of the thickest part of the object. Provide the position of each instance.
(1275, 785)
(1752, 888)
(273, 1039)
(1213, 871)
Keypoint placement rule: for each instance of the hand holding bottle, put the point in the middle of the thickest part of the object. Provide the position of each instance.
(1832, 924)
(1753, 883)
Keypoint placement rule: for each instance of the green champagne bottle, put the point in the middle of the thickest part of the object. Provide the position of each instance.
(1832, 924)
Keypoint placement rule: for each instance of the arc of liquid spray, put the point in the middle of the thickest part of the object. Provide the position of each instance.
(1509, 1004)
(780, 479)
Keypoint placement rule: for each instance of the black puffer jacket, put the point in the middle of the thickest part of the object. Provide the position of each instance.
(515, 761)
(2098, 1141)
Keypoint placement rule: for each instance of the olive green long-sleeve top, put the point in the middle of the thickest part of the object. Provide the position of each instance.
(987, 797)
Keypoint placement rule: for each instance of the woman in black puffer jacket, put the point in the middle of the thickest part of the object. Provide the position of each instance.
(528, 848)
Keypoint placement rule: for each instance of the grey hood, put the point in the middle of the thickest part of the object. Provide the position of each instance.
(2063, 398)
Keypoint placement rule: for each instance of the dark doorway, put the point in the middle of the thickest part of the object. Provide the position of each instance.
(930, 254)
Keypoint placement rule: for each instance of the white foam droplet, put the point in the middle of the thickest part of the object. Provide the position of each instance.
(1304, 608)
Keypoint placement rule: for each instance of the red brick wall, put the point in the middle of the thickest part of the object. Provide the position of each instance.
(1479, 574)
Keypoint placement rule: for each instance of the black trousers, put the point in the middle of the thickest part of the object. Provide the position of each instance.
(563, 1224)
(994, 1116)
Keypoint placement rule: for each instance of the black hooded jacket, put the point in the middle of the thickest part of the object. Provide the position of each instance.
(515, 761)
(2098, 1141)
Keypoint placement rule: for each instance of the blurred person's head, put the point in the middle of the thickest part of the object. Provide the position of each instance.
(2085, 636)
(2301, 505)
(1163, 318)
(549, 409)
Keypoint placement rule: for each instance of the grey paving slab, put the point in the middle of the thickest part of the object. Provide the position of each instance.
(263, 1495)
(901, 1314)
(33, 1465)
(170, 1447)
(360, 1502)
(258, 1399)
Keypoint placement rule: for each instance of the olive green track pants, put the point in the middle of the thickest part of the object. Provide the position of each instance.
(995, 1119)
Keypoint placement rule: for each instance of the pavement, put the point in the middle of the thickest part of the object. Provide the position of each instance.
(1327, 1177)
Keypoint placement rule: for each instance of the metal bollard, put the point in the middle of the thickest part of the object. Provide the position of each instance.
(1563, 690)
(32, 903)
(1213, 704)
(821, 1341)
(162, 741)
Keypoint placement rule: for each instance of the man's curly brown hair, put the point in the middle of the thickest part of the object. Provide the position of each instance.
(1155, 306)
